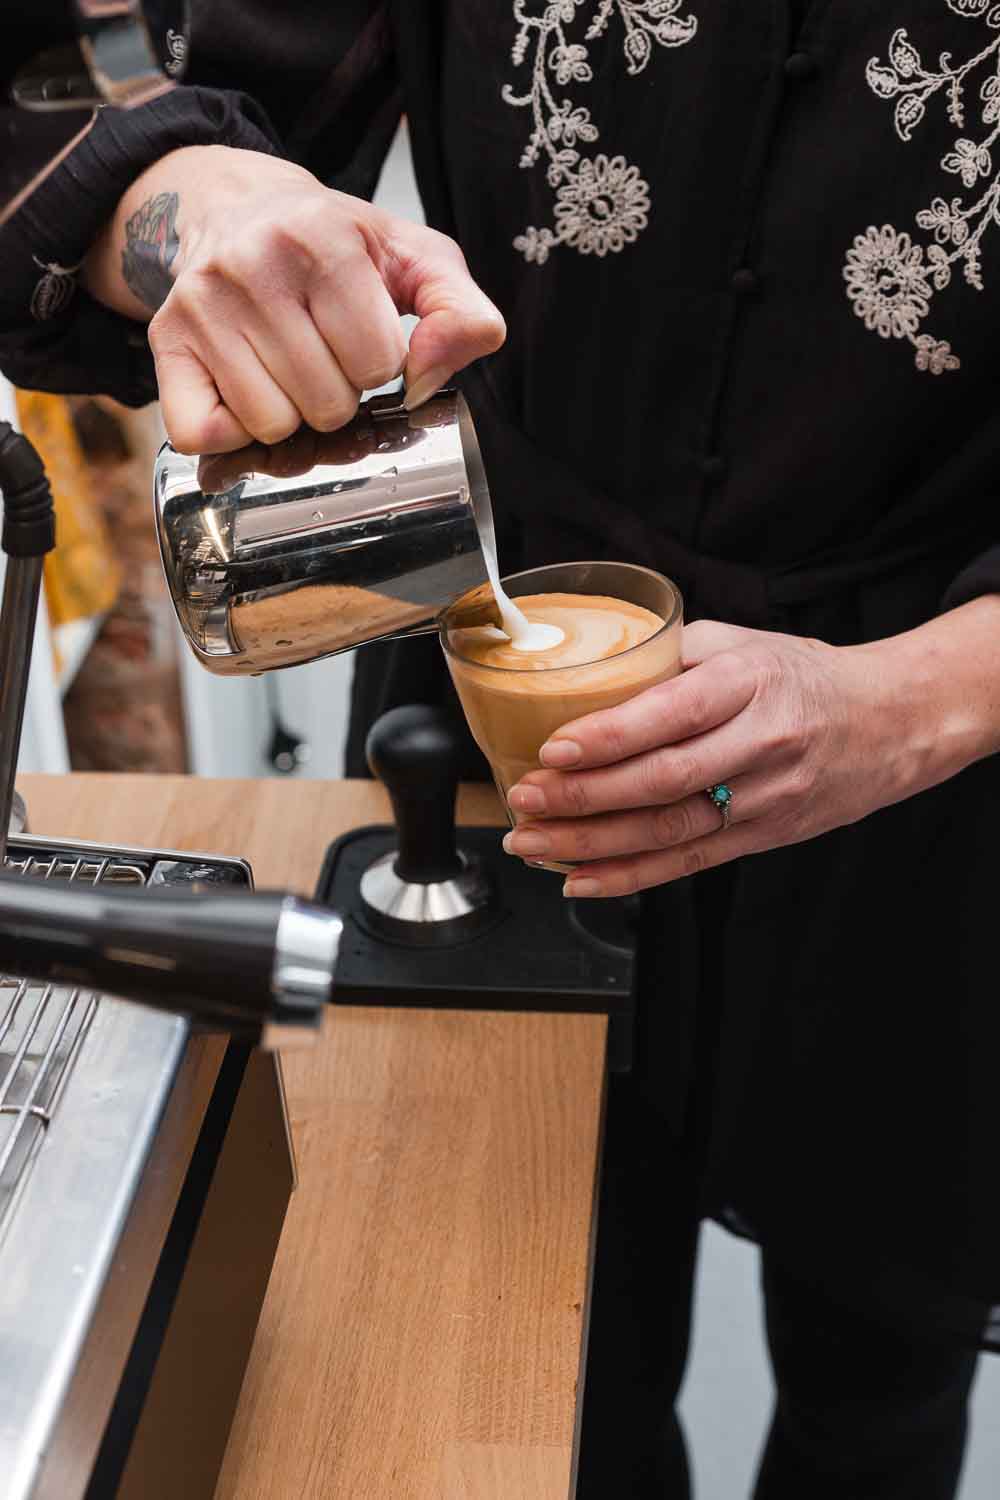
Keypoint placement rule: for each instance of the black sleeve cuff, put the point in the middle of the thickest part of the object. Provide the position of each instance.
(73, 343)
(981, 576)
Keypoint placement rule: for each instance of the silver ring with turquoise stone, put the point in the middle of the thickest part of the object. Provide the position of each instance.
(721, 797)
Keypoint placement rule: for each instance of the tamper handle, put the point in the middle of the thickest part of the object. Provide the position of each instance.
(415, 751)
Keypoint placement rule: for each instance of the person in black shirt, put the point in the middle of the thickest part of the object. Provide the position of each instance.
(746, 258)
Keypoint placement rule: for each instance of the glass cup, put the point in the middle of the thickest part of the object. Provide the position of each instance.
(511, 712)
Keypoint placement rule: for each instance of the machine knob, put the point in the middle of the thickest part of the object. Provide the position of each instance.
(415, 751)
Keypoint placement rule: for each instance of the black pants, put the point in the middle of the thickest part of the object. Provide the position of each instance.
(862, 1413)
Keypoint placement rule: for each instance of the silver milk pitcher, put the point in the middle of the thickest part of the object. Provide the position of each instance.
(327, 541)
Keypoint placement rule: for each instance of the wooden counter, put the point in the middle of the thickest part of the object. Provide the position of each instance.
(421, 1337)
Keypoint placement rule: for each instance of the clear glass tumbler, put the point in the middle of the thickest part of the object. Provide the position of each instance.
(511, 713)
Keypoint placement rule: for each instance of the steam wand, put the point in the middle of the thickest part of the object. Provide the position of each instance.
(29, 531)
(259, 966)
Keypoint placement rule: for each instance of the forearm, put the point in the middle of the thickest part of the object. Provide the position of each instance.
(944, 680)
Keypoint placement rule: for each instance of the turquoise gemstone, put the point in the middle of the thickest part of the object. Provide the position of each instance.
(721, 794)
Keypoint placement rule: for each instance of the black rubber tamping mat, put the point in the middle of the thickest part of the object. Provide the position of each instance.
(540, 952)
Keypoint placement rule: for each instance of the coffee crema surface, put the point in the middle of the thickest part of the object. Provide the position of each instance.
(594, 628)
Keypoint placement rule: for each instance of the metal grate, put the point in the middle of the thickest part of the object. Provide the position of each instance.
(43, 1026)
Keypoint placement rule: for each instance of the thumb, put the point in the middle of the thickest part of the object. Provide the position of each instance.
(458, 322)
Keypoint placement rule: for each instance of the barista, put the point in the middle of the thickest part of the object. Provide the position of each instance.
(746, 256)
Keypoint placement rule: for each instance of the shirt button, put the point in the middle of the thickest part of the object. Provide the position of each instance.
(745, 281)
(714, 468)
(801, 65)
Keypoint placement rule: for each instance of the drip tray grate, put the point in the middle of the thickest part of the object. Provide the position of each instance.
(42, 1027)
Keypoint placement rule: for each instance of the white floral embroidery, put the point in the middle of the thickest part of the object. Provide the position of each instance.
(891, 280)
(887, 282)
(602, 203)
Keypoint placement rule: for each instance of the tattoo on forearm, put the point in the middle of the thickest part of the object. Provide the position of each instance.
(151, 244)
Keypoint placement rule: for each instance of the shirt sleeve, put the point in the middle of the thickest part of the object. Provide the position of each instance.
(53, 336)
(289, 82)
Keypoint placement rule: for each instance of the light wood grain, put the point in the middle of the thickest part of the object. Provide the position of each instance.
(421, 1335)
(282, 827)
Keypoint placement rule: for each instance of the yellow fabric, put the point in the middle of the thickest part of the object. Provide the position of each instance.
(82, 574)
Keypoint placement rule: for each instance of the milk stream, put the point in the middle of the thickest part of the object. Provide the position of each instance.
(524, 634)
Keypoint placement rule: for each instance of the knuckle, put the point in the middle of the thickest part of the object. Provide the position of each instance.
(685, 774)
(576, 795)
(778, 739)
(787, 738)
(613, 739)
(784, 800)
(788, 732)
(379, 374)
(701, 630)
(341, 255)
(787, 801)
(672, 825)
(302, 227)
(158, 333)
(238, 262)
(768, 667)
(185, 293)
(663, 828)
(194, 299)
(649, 778)
(693, 861)
(732, 664)
(584, 845)
(733, 661)
(696, 709)
(308, 222)
(335, 412)
(800, 784)
(188, 436)
(261, 260)
(273, 428)
(172, 322)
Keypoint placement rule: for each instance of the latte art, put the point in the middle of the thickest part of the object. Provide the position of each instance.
(585, 628)
(523, 634)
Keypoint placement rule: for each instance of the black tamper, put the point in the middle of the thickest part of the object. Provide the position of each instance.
(426, 892)
(442, 917)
